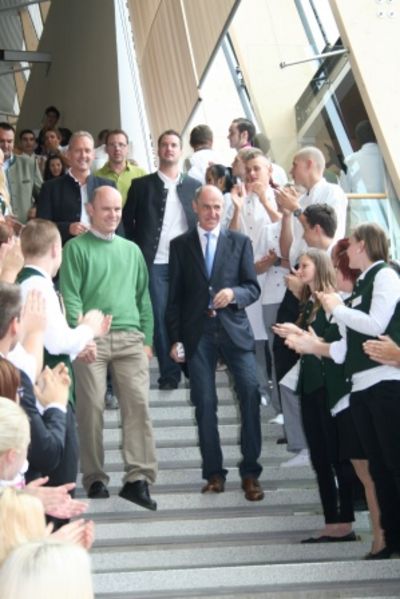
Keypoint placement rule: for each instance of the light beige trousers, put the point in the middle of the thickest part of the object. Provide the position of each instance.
(122, 352)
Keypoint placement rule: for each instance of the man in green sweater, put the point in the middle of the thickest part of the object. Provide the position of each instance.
(102, 270)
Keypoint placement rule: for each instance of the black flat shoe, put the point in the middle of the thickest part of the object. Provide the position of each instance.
(328, 539)
(98, 490)
(138, 492)
(384, 553)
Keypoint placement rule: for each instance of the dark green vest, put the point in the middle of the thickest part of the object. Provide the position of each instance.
(310, 375)
(336, 384)
(49, 359)
(356, 359)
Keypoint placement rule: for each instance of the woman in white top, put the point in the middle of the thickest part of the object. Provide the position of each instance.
(375, 397)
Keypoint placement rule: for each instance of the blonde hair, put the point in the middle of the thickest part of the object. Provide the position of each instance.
(325, 278)
(21, 519)
(314, 154)
(37, 237)
(14, 427)
(46, 569)
(79, 134)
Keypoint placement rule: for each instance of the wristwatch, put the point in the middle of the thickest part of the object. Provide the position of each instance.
(298, 212)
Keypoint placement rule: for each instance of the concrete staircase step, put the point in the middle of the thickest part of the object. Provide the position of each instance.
(147, 526)
(181, 556)
(196, 546)
(272, 577)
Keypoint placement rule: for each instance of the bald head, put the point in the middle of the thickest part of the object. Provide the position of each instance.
(308, 166)
(208, 204)
(104, 209)
(105, 191)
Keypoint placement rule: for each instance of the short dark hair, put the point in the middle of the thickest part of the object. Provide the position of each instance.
(10, 305)
(53, 130)
(169, 132)
(324, 216)
(7, 127)
(200, 135)
(24, 131)
(54, 110)
(117, 132)
(246, 125)
(364, 133)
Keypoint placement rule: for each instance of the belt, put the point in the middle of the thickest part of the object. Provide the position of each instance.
(210, 313)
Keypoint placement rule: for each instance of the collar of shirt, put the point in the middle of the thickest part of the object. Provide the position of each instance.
(168, 182)
(40, 270)
(99, 235)
(319, 183)
(69, 172)
(108, 170)
(201, 232)
(363, 274)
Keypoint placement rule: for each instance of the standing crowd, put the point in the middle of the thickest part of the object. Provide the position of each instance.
(101, 263)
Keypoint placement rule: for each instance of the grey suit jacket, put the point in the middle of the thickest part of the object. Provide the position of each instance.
(24, 183)
(189, 296)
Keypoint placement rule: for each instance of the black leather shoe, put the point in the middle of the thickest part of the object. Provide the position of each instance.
(138, 492)
(98, 490)
(168, 385)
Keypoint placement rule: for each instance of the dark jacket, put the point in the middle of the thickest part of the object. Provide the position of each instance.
(143, 212)
(189, 288)
(60, 201)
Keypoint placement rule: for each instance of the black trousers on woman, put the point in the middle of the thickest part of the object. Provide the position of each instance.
(321, 434)
(376, 414)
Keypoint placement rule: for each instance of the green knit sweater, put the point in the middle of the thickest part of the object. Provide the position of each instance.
(110, 276)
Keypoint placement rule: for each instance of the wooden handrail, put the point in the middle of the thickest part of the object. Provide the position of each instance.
(367, 196)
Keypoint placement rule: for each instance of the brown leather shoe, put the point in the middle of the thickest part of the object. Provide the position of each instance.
(252, 489)
(215, 484)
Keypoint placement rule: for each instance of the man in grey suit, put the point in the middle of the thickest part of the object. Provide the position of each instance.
(212, 280)
(22, 174)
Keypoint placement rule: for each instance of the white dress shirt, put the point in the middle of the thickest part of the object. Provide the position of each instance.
(174, 221)
(84, 200)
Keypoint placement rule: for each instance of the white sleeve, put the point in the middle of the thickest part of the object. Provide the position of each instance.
(385, 296)
(59, 338)
(338, 350)
(24, 361)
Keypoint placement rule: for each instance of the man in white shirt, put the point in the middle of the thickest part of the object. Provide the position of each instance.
(158, 208)
(63, 199)
(201, 140)
(307, 171)
(252, 214)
